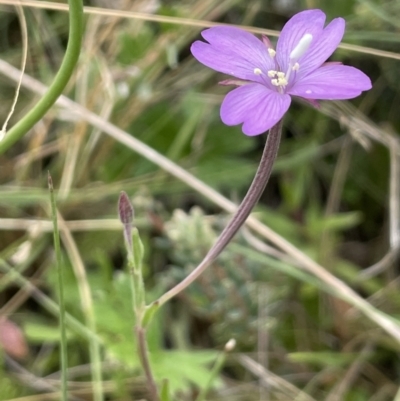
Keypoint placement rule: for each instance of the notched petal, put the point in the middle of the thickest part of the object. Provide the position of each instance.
(306, 22)
(322, 47)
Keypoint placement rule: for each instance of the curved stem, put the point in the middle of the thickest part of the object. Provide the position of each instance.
(250, 200)
(60, 81)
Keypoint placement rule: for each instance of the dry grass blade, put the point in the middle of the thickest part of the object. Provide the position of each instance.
(71, 225)
(273, 381)
(24, 33)
(186, 21)
(340, 390)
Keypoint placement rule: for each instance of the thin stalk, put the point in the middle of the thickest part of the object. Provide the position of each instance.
(60, 81)
(139, 307)
(135, 253)
(63, 329)
(250, 200)
(145, 362)
(216, 369)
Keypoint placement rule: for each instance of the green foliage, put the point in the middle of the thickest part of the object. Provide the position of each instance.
(183, 368)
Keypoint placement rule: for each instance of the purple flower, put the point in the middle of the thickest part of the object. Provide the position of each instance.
(267, 78)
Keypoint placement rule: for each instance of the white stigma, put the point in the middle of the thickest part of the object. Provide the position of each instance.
(257, 71)
(301, 47)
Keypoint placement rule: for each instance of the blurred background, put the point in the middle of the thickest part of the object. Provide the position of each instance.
(333, 194)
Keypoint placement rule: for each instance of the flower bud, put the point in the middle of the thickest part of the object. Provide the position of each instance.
(125, 209)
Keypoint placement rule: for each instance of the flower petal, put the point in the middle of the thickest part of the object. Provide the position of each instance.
(233, 51)
(309, 21)
(322, 47)
(332, 82)
(254, 105)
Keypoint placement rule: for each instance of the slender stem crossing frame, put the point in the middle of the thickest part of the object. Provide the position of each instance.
(250, 200)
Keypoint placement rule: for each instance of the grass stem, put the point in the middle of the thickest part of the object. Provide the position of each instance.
(60, 81)
(63, 330)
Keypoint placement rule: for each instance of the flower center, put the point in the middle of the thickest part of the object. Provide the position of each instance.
(281, 79)
(278, 78)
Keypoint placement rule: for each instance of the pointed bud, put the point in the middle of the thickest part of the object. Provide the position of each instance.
(125, 212)
(125, 209)
(301, 47)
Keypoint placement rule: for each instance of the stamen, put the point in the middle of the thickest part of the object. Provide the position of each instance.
(271, 52)
(278, 78)
(282, 81)
(301, 47)
(296, 67)
(257, 71)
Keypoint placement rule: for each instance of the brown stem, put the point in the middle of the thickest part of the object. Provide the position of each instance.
(250, 200)
(144, 359)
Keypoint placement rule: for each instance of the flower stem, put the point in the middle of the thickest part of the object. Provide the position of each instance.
(135, 251)
(145, 362)
(216, 369)
(60, 81)
(250, 200)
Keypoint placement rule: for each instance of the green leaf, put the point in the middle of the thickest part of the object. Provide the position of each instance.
(183, 368)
